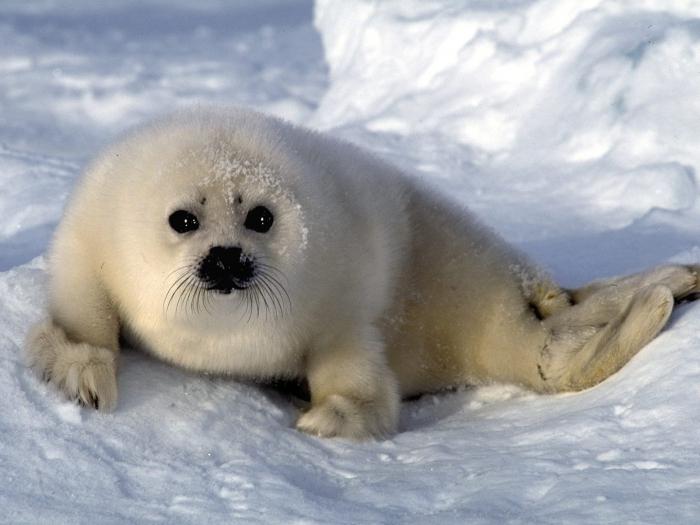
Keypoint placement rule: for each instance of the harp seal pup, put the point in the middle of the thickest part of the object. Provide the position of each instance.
(230, 242)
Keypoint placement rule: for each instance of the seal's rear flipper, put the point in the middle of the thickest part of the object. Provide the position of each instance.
(571, 364)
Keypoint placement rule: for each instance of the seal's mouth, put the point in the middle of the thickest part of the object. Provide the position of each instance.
(227, 288)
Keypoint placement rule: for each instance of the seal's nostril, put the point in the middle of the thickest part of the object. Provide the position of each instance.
(226, 256)
(225, 268)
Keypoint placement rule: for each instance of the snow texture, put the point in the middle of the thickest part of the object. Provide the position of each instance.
(569, 125)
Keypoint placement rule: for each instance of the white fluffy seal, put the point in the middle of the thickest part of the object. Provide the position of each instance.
(231, 242)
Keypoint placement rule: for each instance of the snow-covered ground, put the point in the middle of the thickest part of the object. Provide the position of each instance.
(569, 125)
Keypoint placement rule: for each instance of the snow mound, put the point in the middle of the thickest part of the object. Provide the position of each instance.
(575, 80)
(535, 92)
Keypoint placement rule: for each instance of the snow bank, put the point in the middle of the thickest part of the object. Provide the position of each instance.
(568, 79)
(597, 98)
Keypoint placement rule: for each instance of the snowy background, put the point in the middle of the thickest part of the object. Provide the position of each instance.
(571, 126)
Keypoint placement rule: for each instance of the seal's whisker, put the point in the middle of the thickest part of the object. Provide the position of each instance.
(259, 287)
(261, 292)
(179, 285)
(244, 298)
(184, 293)
(274, 282)
(256, 293)
(205, 299)
(185, 267)
(176, 286)
(273, 269)
(250, 297)
(191, 294)
(267, 289)
(198, 297)
(177, 280)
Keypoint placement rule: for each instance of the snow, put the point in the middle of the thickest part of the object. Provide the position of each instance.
(568, 125)
(528, 98)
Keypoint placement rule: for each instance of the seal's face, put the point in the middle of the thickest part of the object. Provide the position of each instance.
(231, 238)
(225, 268)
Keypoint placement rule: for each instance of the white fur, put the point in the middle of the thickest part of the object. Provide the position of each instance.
(389, 289)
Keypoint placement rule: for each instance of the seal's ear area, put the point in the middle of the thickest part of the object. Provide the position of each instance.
(85, 373)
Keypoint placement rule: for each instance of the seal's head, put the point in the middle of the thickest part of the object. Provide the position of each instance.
(228, 233)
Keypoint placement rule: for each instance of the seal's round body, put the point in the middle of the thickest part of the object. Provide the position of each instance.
(231, 242)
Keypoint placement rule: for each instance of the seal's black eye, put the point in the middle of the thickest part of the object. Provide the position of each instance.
(259, 219)
(183, 221)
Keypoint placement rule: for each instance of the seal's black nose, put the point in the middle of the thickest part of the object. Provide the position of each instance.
(225, 268)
